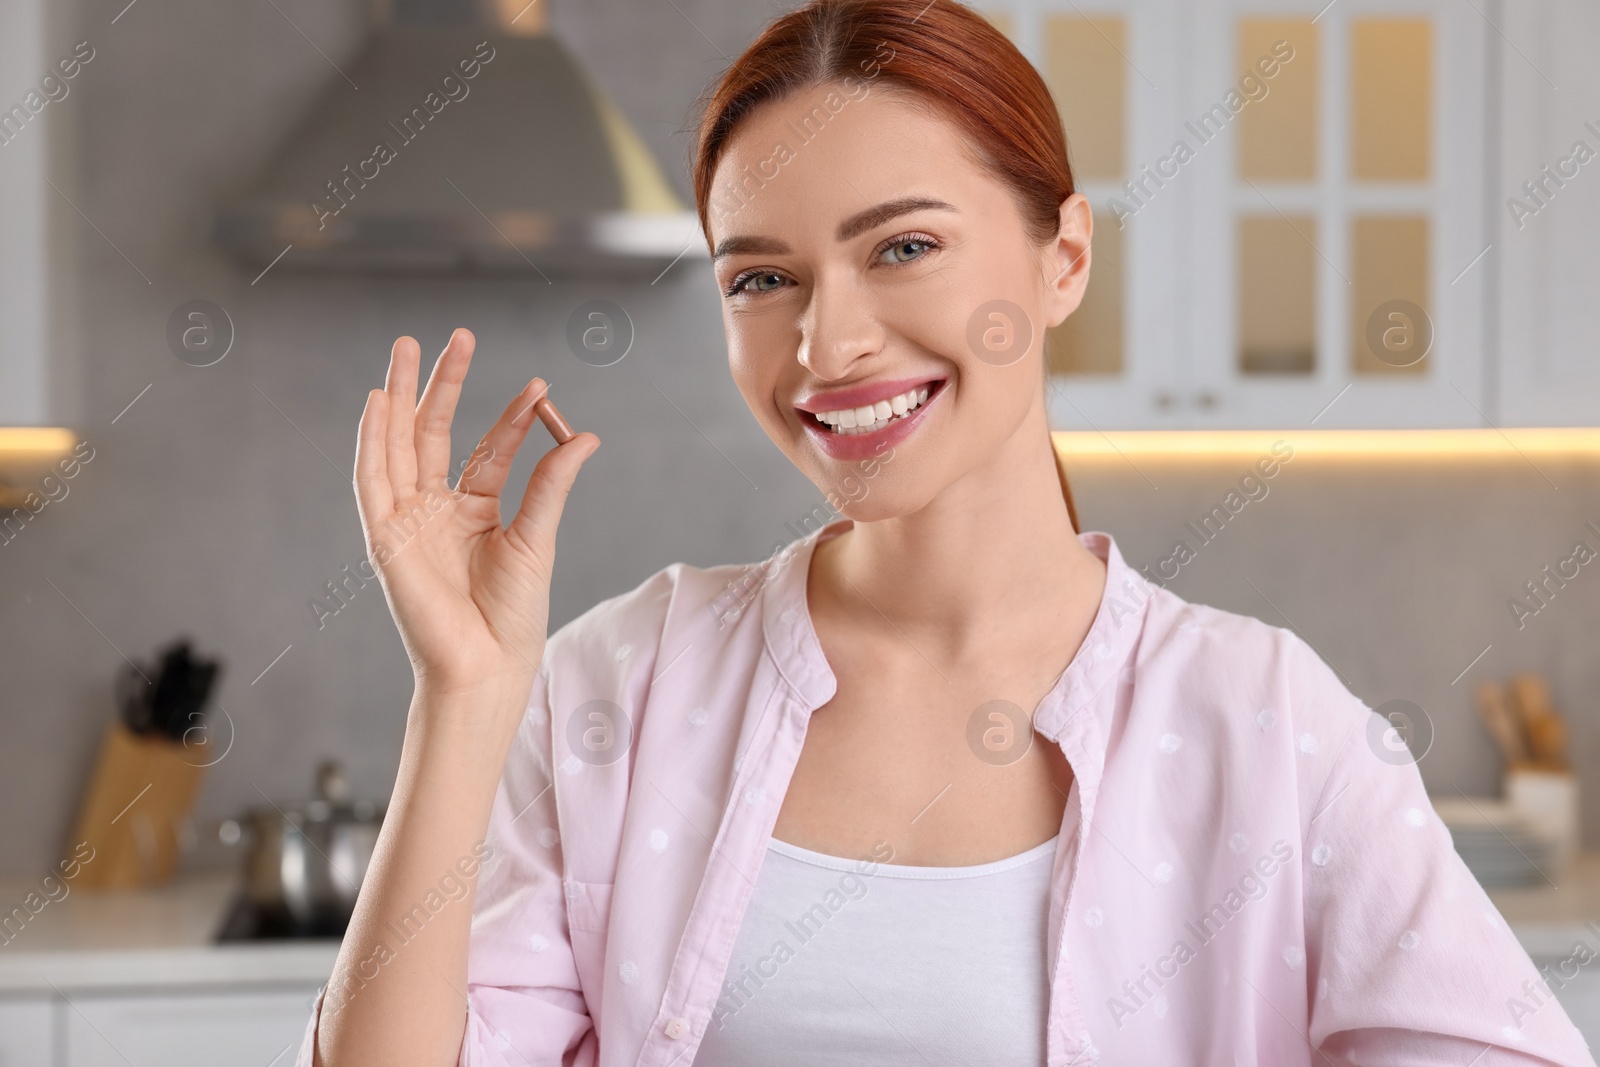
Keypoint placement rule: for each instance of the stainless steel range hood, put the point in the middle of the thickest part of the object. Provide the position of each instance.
(463, 138)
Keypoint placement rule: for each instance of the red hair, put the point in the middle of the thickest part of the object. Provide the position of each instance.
(943, 53)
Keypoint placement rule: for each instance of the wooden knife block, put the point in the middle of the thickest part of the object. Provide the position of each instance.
(136, 806)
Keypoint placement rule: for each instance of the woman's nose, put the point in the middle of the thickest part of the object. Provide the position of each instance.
(838, 328)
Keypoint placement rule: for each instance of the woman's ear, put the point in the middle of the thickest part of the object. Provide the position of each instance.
(1067, 260)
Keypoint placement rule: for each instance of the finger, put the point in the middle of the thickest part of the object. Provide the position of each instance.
(486, 471)
(374, 500)
(536, 521)
(402, 389)
(438, 408)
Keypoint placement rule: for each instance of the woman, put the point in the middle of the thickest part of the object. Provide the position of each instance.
(945, 781)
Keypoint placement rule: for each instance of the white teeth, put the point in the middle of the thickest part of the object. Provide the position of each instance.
(872, 417)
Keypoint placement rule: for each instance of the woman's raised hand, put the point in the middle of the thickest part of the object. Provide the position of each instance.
(471, 598)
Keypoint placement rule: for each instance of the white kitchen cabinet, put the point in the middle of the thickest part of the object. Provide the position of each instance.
(1400, 119)
(38, 369)
(1548, 214)
(27, 1033)
(135, 978)
(1113, 71)
(1310, 216)
(245, 1028)
(24, 383)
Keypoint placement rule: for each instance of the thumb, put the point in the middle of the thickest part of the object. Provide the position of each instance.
(542, 503)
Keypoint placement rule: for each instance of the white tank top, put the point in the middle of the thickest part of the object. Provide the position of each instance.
(850, 961)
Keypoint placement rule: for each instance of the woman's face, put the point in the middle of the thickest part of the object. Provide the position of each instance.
(868, 259)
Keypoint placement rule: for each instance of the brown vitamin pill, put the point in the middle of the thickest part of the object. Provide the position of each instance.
(558, 427)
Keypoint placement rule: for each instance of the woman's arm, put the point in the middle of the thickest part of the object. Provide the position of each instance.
(471, 600)
(405, 1003)
(1407, 959)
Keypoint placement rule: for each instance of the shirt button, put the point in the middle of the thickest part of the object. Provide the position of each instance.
(676, 1028)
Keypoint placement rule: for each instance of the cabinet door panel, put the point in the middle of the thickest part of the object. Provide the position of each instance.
(1112, 71)
(1549, 215)
(1315, 216)
(24, 381)
(195, 1030)
(26, 1033)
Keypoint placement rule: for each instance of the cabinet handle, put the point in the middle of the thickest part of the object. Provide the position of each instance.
(1163, 399)
(1206, 400)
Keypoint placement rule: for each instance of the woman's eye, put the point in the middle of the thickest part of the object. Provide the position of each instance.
(904, 251)
(764, 282)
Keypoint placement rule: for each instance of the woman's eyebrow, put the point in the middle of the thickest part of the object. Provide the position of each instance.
(890, 209)
(853, 226)
(750, 245)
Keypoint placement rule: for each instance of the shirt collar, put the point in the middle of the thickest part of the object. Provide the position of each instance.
(1076, 713)
(786, 619)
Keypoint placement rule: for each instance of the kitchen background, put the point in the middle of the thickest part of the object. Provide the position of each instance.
(217, 503)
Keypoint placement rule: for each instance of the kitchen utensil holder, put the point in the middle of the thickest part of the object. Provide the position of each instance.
(136, 807)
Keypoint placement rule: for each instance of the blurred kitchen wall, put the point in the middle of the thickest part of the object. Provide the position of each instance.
(218, 504)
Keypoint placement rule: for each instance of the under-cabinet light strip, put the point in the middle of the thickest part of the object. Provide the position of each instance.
(1394, 444)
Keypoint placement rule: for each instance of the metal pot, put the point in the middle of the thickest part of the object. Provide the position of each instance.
(305, 865)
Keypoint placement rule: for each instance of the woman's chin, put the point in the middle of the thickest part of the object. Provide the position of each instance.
(876, 505)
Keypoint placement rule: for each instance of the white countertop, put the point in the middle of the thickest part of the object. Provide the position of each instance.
(155, 938)
(164, 937)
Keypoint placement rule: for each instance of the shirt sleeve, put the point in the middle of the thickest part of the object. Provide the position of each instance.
(525, 1002)
(308, 1042)
(1408, 960)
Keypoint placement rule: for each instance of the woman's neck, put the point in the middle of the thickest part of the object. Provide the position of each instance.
(994, 552)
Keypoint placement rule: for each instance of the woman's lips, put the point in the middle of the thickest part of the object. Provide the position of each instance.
(864, 394)
(864, 445)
